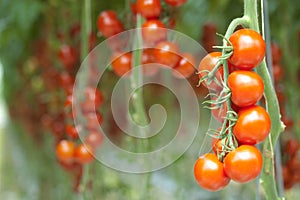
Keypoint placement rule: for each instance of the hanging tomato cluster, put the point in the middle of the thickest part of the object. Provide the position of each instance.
(154, 34)
(233, 103)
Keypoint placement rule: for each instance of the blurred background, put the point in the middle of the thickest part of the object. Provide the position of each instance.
(40, 48)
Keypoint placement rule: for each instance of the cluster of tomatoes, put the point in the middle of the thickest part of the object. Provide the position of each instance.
(156, 48)
(245, 124)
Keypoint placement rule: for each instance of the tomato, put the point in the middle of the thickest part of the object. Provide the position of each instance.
(65, 151)
(276, 53)
(83, 154)
(94, 139)
(148, 62)
(66, 81)
(93, 121)
(209, 173)
(246, 87)
(109, 24)
(167, 53)
(93, 100)
(253, 125)
(121, 64)
(219, 113)
(294, 164)
(277, 72)
(292, 146)
(72, 131)
(243, 164)
(217, 146)
(67, 56)
(208, 63)
(185, 67)
(148, 8)
(175, 3)
(249, 49)
(154, 31)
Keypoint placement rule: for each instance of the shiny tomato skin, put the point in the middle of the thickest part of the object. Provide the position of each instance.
(209, 173)
(167, 54)
(186, 66)
(175, 3)
(108, 23)
(65, 151)
(249, 49)
(121, 64)
(208, 63)
(243, 164)
(148, 8)
(253, 125)
(67, 56)
(72, 131)
(83, 154)
(246, 87)
(154, 31)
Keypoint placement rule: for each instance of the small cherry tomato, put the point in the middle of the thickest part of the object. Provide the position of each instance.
(148, 8)
(253, 125)
(243, 164)
(67, 56)
(72, 131)
(246, 87)
(93, 100)
(209, 173)
(94, 139)
(93, 121)
(121, 64)
(277, 72)
(291, 147)
(185, 67)
(83, 154)
(249, 49)
(65, 151)
(276, 53)
(109, 24)
(167, 53)
(207, 64)
(175, 3)
(154, 31)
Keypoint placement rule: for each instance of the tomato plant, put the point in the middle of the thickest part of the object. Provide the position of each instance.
(175, 3)
(186, 66)
(167, 54)
(109, 24)
(153, 31)
(121, 64)
(65, 151)
(148, 8)
(83, 154)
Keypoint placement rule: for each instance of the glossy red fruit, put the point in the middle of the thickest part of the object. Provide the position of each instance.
(292, 146)
(65, 151)
(207, 64)
(93, 100)
(167, 54)
(175, 3)
(153, 31)
(246, 87)
(109, 24)
(121, 64)
(94, 139)
(276, 53)
(277, 72)
(249, 49)
(67, 56)
(243, 164)
(71, 131)
(209, 173)
(148, 8)
(94, 120)
(185, 67)
(84, 154)
(253, 125)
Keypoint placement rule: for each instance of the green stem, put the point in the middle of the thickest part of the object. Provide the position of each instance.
(86, 28)
(267, 176)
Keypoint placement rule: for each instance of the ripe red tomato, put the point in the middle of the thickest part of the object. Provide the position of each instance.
(148, 8)
(246, 87)
(94, 139)
(83, 154)
(243, 164)
(65, 151)
(121, 64)
(167, 53)
(185, 67)
(72, 131)
(148, 62)
(154, 31)
(208, 63)
(249, 49)
(67, 56)
(217, 145)
(292, 146)
(93, 121)
(253, 125)
(93, 100)
(276, 53)
(109, 24)
(175, 3)
(209, 173)
(277, 72)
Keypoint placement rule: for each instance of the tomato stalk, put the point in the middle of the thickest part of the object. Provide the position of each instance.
(267, 177)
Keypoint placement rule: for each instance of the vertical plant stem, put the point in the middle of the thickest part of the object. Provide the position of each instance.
(268, 176)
